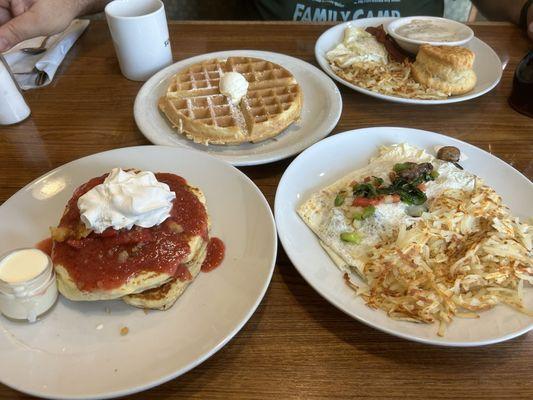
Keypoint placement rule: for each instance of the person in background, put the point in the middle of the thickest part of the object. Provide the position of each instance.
(310, 10)
(24, 19)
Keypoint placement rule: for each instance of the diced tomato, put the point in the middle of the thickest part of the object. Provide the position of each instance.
(422, 186)
(367, 179)
(396, 198)
(109, 232)
(78, 244)
(134, 236)
(392, 198)
(364, 202)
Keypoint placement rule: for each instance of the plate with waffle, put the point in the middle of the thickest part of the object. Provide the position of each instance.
(246, 107)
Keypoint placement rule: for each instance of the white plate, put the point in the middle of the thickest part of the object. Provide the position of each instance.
(65, 356)
(331, 159)
(321, 111)
(487, 64)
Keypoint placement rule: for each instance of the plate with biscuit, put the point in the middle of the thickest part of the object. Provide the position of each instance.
(160, 255)
(386, 58)
(246, 107)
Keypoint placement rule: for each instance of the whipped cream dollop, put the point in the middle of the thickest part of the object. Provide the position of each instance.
(125, 199)
(234, 86)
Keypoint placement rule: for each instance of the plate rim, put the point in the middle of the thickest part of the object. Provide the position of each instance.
(327, 69)
(283, 236)
(222, 343)
(242, 160)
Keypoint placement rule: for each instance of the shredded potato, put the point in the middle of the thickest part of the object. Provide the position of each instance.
(392, 79)
(465, 255)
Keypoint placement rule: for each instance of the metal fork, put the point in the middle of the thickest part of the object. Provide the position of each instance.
(36, 50)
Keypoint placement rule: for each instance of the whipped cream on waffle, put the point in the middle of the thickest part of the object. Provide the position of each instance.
(125, 199)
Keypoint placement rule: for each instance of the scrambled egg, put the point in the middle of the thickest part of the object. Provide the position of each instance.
(357, 47)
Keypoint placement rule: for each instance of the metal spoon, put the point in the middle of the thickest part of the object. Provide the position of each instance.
(36, 50)
(40, 78)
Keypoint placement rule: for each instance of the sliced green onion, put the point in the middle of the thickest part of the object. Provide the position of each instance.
(365, 190)
(351, 237)
(339, 200)
(401, 166)
(368, 211)
(377, 181)
(412, 195)
(358, 216)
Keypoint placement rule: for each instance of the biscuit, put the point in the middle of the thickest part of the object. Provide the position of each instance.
(456, 57)
(445, 68)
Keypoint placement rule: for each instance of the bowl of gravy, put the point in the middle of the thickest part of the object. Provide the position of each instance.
(411, 32)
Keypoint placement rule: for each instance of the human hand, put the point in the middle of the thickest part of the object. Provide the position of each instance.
(25, 19)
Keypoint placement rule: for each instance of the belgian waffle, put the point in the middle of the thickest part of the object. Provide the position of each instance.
(194, 105)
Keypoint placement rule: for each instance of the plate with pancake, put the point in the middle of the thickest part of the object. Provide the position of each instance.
(141, 311)
(440, 74)
(388, 252)
(289, 105)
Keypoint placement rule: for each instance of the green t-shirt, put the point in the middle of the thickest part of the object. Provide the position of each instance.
(342, 10)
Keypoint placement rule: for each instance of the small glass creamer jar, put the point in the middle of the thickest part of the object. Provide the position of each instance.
(28, 285)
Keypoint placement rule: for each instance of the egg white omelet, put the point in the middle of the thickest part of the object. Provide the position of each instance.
(328, 222)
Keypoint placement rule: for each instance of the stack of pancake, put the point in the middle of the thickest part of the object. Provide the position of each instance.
(149, 285)
(163, 297)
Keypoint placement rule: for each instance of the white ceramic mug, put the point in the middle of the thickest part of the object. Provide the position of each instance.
(140, 35)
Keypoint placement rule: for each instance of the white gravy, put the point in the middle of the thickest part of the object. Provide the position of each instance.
(430, 31)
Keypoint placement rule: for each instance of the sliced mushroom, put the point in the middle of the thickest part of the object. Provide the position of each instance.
(449, 153)
(414, 171)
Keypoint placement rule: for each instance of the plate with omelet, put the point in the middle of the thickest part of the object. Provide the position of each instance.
(246, 107)
(412, 233)
(363, 55)
(140, 303)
